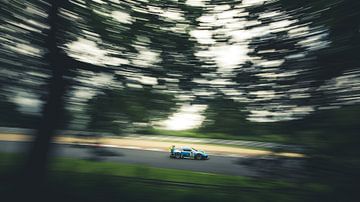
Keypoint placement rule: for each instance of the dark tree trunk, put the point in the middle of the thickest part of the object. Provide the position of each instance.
(36, 165)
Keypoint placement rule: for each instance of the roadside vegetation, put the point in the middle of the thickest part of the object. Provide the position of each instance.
(224, 136)
(86, 180)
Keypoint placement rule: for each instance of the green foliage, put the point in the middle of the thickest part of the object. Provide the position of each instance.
(72, 179)
(115, 110)
(226, 116)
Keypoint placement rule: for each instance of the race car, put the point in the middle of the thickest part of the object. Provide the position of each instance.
(187, 152)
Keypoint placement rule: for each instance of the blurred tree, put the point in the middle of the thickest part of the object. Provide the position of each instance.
(53, 108)
(300, 60)
(226, 116)
(117, 110)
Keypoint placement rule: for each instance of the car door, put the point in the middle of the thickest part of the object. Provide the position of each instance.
(186, 152)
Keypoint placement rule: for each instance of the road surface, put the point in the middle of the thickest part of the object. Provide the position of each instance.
(216, 164)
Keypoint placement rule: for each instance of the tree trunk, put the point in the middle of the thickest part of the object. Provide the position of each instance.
(36, 165)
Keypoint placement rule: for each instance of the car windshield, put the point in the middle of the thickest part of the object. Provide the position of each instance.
(194, 149)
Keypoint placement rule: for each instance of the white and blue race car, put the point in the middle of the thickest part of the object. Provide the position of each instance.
(187, 152)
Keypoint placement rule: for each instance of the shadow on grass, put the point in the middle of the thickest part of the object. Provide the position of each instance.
(80, 180)
(65, 186)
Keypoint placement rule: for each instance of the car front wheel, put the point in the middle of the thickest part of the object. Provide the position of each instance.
(198, 157)
(177, 156)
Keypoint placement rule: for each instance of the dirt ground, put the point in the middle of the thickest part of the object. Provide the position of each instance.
(132, 143)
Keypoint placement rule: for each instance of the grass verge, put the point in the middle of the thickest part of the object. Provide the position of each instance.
(84, 180)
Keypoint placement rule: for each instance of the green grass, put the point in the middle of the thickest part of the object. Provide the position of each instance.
(84, 180)
(147, 172)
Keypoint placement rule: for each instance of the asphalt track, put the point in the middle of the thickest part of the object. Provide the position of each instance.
(216, 164)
